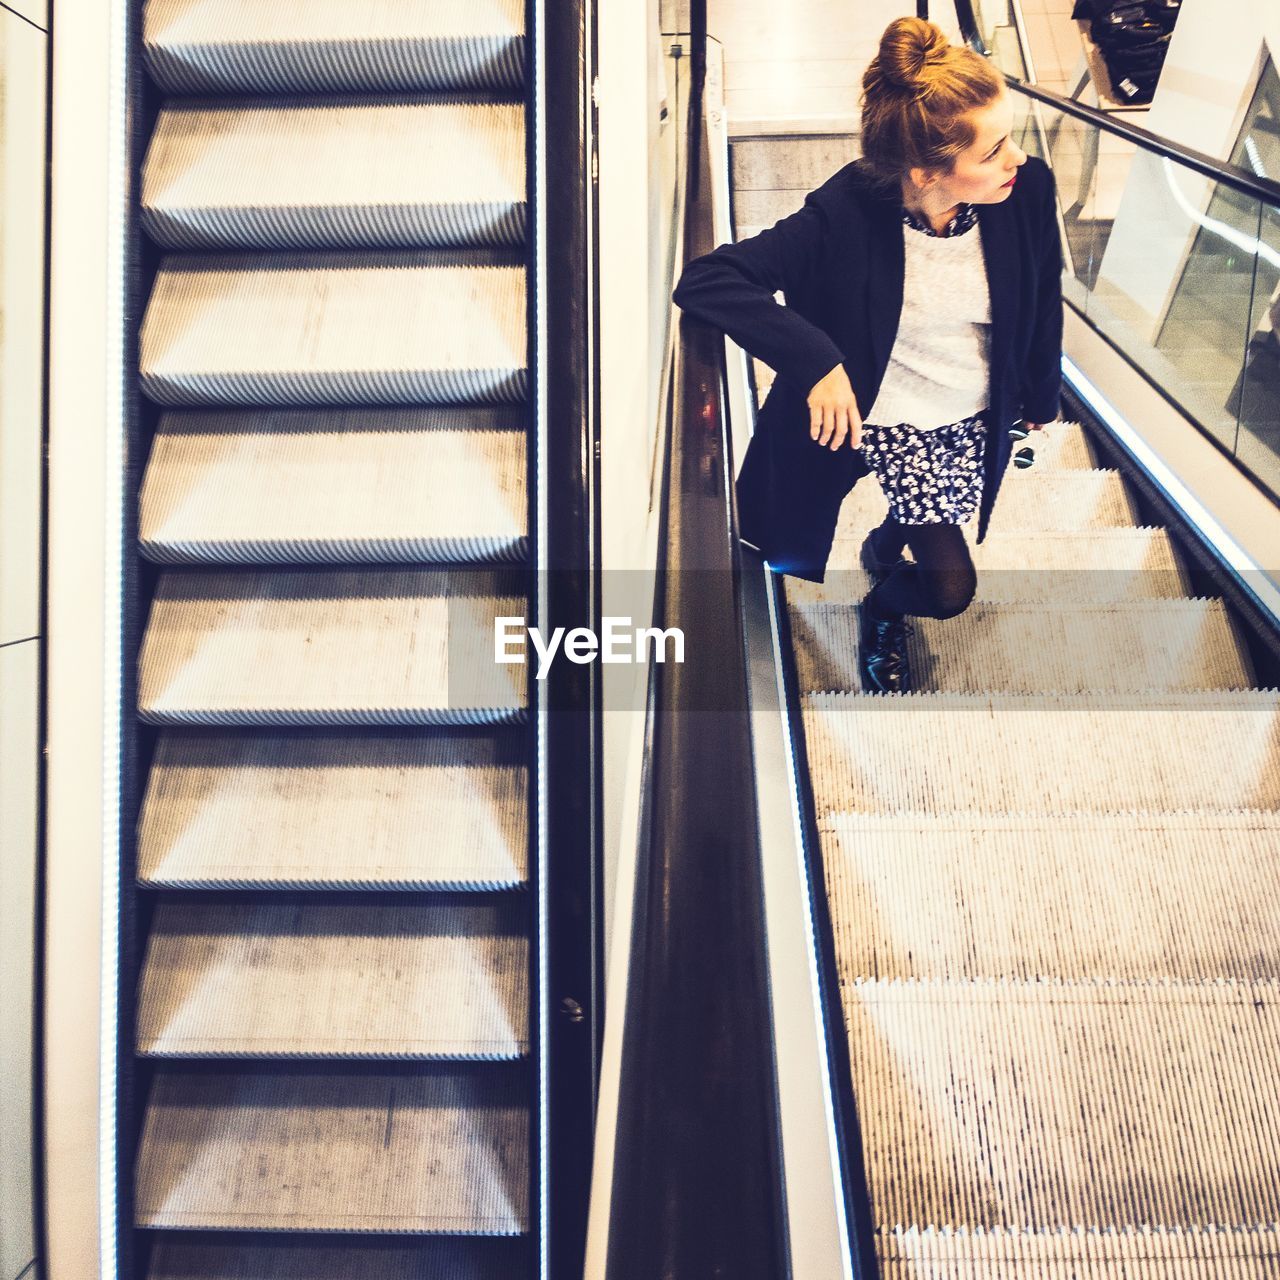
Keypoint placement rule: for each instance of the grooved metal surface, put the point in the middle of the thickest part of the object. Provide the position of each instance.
(357, 977)
(346, 173)
(422, 1150)
(1142, 645)
(374, 647)
(290, 487)
(1044, 753)
(1089, 565)
(317, 46)
(1029, 500)
(336, 329)
(1000, 1103)
(385, 811)
(1083, 895)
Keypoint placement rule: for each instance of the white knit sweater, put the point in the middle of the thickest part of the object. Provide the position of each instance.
(938, 371)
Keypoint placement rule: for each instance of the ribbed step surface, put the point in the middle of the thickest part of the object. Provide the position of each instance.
(281, 811)
(374, 647)
(282, 175)
(296, 487)
(1033, 1105)
(304, 977)
(1043, 753)
(1139, 1253)
(350, 329)
(1141, 645)
(421, 1149)
(211, 1256)
(1091, 566)
(241, 46)
(1070, 896)
(1029, 499)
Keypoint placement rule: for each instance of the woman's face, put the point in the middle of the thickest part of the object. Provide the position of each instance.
(985, 172)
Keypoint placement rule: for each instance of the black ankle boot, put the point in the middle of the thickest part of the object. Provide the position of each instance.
(877, 570)
(884, 662)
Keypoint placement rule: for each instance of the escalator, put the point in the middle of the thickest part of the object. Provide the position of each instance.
(338, 982)
(1046, 880)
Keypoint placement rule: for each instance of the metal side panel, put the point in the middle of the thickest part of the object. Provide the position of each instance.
(1131, 647)
(355, 328)
(346, 173)
(338, 976)
(1044, 753)
(335, 1148)
(318, 46)
(374, 648)
(391, 811)
(293, 487)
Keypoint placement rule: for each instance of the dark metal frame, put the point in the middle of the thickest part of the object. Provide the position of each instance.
(567, 1015)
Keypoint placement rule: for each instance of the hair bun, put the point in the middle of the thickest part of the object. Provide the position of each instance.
(908, 48)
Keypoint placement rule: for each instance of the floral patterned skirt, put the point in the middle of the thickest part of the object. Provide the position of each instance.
(929, 477)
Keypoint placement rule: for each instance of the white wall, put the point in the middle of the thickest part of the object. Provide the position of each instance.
(23, 52)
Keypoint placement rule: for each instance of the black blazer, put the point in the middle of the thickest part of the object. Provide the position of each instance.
(839, 260)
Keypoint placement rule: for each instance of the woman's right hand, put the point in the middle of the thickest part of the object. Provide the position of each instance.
(833, 411)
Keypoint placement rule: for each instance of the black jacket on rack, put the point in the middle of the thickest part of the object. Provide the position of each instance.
(839, 261)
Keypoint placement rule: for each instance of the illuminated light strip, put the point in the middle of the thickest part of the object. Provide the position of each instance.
(1251, 575)
(1250, 244)
(118, 191)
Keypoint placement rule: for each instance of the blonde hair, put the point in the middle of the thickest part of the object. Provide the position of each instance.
(915, 96)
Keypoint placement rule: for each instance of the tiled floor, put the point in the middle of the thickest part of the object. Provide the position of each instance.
(1055, 41)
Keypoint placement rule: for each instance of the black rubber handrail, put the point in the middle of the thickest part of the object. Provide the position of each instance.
(1229, 175)
(697, 1179)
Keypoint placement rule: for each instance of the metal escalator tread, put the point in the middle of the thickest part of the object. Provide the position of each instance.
(1095, 566)
(281, 174)
(314, 486)
(1135, 1253)
(337, 976)
(1013, 896)
(1043, 753)
(380, 647)
(318, 46)
(1133, 647)
(1028, 500)
(1092, 1104)
(213, 1256)
(289, 811)
(296, 329)
(336, 1147)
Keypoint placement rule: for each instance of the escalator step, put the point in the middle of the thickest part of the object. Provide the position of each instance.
(1061, 446)
(243, 46)
(1027, 500)
(223, 1256)
(1095, 566)
(365, 978)
(1133, 647)
(282, 175)
(1142, 1253)
(1043, 1105)
(1159, 895)
(1043, 753)
(310, 486)
(336, 329)
(423, 1149)
(440, 810)
(372, 648)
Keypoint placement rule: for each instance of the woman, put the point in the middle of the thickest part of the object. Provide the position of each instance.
(923, 317)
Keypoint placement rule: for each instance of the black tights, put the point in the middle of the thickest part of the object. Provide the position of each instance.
(941, 582)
